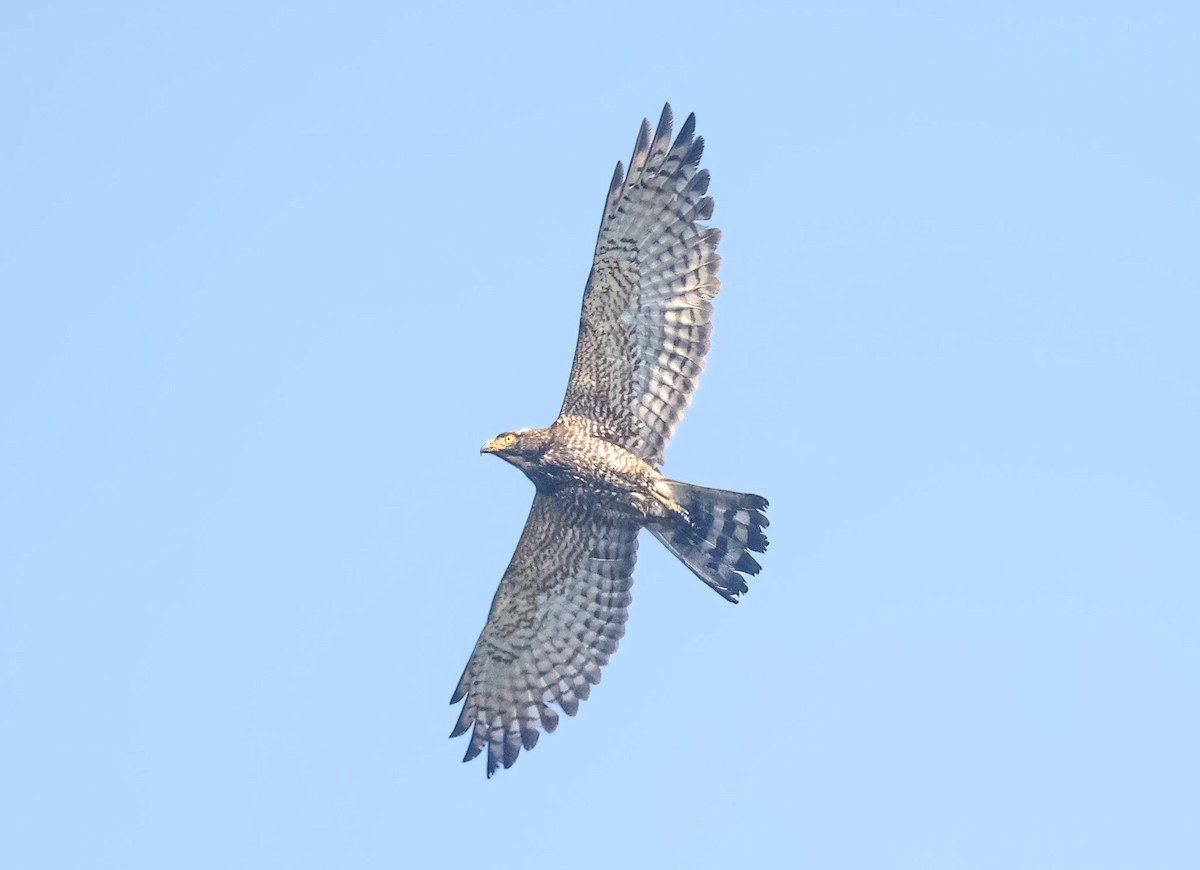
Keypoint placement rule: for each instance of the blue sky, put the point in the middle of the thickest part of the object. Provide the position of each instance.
(270, 277)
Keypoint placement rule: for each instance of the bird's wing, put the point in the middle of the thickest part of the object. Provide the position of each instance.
(555, 620)
(646, 314)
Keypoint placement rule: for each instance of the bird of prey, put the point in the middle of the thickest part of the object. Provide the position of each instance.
(643, 334)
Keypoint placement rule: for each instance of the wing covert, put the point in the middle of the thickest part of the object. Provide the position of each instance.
(646, 319)
(556, 618)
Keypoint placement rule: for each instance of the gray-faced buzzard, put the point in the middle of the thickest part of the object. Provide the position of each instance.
(562, 604)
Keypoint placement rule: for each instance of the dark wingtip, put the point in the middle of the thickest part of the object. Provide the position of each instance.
(511, 751)
(643, 138)
(686, 132)
(665, 122)
(618, 177)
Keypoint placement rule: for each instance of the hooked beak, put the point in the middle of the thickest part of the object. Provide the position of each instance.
(492, 446)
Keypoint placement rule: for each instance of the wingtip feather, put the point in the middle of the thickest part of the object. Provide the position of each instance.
(685, 135)
(618, 177)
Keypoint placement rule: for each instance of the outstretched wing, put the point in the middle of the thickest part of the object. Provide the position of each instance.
(646, 314)
(555, 620)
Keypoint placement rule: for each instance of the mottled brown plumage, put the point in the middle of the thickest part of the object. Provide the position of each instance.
(643, 334)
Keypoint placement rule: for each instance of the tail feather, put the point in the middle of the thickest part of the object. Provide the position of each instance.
(722, 528)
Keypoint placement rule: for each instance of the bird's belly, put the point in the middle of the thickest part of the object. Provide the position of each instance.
(613, 478)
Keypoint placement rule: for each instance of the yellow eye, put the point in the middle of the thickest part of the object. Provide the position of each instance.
(508, 440)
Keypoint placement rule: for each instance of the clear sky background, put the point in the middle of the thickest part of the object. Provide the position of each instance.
(271, 276)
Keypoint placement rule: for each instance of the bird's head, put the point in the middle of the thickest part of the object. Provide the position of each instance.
(521, 447)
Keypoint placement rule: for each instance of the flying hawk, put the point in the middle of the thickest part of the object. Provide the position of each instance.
(562, 603)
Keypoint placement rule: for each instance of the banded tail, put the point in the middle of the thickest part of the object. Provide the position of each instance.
(716, 540)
